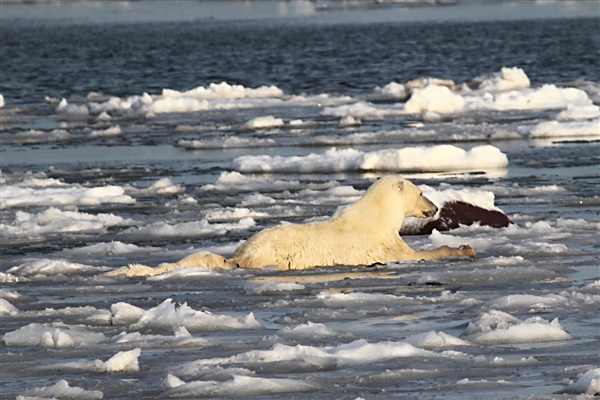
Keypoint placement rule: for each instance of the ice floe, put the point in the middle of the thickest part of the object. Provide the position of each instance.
(436, 158)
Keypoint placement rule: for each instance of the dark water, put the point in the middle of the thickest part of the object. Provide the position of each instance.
(69, 60)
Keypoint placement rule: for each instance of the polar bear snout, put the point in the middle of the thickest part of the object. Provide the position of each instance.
(431, 212)
(425, 207)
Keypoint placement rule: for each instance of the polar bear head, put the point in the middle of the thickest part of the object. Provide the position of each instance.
(392, 198)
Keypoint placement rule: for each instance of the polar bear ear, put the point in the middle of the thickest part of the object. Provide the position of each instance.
(400, 185)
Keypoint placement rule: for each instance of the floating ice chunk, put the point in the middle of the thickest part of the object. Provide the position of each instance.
(61, 390)
(168, 315)
(356, 299)
(234, 181)
(435, 340)
(226, 143)
(7, 308)
(13, 196)
(171, 381)
(545, 97)
(162, 187)
(54, 220)
(434, 98)
(125, 313)
(182, 104)
(50, 267)
(264, 122)
(235, 213)
(476, 197)
(56, 340)
(1, 101)
(563, 129)
(123, 361)
(579, 112)
(72, 111)
(354, 353)
(309, 330)
(224, 90)
(112, 248)
(515, 301)
(361, 110)
(239, 386)
(193, 228)
(108, 132)
(181, 338)
(270, 288)
(497, 327)
(506, 79)
(34, 136)
(436, 158)
(348, 121)
(32, 334)
(588, 383)
(393, 90)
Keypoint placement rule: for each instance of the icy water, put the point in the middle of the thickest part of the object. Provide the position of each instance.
(146, 140)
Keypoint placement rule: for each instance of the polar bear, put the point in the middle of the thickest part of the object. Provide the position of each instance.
(363, 233)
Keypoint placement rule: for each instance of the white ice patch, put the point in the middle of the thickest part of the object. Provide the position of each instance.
(37, 136)
(545, 97)
(54, 220)
(239, 386)
(358, 352)
(180, 338)
(108, 132)
(190, 229)
(123, 361)
(7, 308)
(433, 98)
(236, 213)
(270, 288)
(435, 340)
(264, 122)
(49, 268)
(225, 143)
(61, 390)
(162, 187)
(309, 330)
(435, 158)
(14, 196)
(214, 97)
(572, 112)
(588, 383)
(72, 111)
(393, 90)
(557, 129)
(169, 316)
(358, 299)
(505, 79)
(532, 238)
(112, 248)
(497, 327)
(235, 181)
(55, 335)
(445, 194)
(362, 110)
